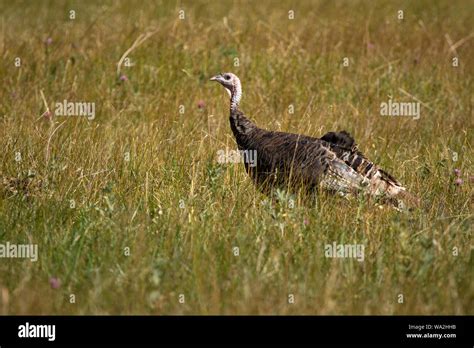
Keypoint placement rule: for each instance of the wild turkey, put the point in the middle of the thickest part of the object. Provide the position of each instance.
(284, 160)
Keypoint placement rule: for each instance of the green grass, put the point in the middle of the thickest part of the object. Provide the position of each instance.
(189, 250)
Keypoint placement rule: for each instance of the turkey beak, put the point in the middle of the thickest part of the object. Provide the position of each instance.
(215, 78)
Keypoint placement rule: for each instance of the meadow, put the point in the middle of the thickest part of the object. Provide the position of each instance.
(131, 210)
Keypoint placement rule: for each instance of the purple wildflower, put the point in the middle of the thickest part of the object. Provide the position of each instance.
(47, 114)
(54, 282)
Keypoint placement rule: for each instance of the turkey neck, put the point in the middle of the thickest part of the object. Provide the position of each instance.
(241, 126)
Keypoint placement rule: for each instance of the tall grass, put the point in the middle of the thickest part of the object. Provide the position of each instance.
(180, 213)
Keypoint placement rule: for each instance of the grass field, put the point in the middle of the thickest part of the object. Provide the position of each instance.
(131, 210)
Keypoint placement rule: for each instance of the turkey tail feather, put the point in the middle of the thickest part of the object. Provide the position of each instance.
(385, 185)
(342, 178)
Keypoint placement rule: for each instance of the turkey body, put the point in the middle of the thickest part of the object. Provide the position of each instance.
(282, 159)
(287, 160)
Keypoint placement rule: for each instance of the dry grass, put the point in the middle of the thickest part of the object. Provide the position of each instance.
(189, 250)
